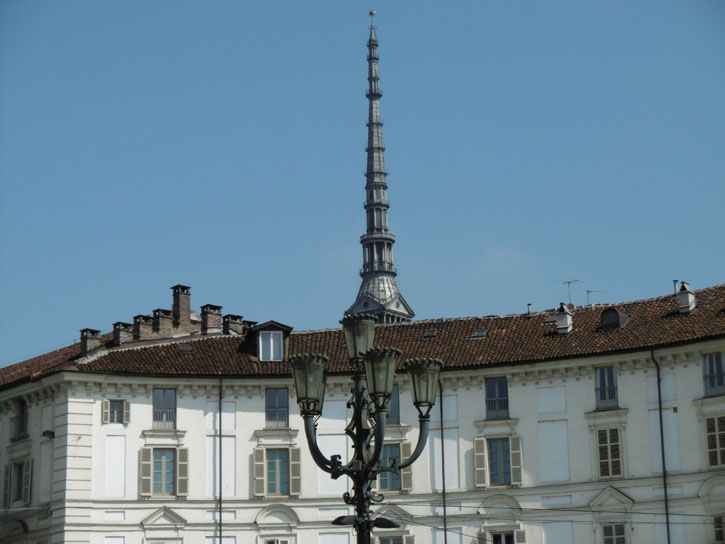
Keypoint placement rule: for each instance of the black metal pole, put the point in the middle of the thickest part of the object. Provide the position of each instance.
(443, 465)
(219, 523)
(662, 448)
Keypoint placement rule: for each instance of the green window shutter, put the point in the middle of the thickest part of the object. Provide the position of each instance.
(6, 487)
(259, 472)
(520, 537)
(479, 460)
(406, 474)
(482, 538)
(182, 472)
(126, 411)
(144, 471)
(409, 539)
(516, 460)
(27, 480)
(105, 410)
(295, 471)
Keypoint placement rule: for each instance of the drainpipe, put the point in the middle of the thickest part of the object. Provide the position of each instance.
(662, 446)
(219, 521)
(443, 466)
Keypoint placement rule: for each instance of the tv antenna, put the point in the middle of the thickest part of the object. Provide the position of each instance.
(592, 291)
(568, 286)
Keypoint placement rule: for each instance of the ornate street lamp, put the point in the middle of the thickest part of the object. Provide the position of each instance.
(370, 403)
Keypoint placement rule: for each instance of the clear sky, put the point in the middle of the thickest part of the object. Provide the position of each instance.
(220, 145)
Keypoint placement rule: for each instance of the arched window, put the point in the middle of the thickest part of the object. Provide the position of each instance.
(610, 319)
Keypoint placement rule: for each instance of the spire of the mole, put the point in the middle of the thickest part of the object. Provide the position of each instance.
(378, 294)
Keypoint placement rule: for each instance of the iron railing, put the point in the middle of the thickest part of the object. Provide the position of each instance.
(164, 419)
(277, 418)
(497, 408)
(19, 426)
(606, 397)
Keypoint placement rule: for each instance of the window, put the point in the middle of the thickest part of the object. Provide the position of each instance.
(164, 409)
(18, 478)
(502, 538)
(164, 472)
(613, 533)
(499, 461)
(497, 398)
(276, 405)
(390, 540)
(277, 472)
(270, 346)
(276, 541)
(389, 481)
(715, 431)
(714, 376)
(606, 388)
(115, 411)
(20, 421)
(718, 526)
(394, 411)
(610, 462)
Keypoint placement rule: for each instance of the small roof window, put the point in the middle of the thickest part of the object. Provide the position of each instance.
(480, 333)
(614, 319)
(184, 347)
(430, 334)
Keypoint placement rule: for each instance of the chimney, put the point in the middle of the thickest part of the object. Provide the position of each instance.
(211, 319)
(163, 323)
(564, 321)
(122, 333)
(142, 327)
(180, 308)
(89, 340)
(233, 324)
(686, 298)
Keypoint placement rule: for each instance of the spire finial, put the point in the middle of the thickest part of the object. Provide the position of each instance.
(372, 14)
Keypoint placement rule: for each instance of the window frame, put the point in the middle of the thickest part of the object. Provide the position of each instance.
(389, 478)
(261, 335)
(614, 538)
(279, 411)
(163, 417)
(718, 525)
(115, 411)
(394, 406)
(278, 482)
(20, 420)
(608, 446)
(714, 373)
(502, 460)
(719, 449)
(605, 385)
(497, 407)
(164, 472)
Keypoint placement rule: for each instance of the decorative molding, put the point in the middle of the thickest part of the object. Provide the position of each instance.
(276, 436)
(162, 437)
(496, 426)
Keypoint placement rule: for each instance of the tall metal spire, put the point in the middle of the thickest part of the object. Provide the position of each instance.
(378, 293)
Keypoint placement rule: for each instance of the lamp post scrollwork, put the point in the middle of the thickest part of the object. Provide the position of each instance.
(371, 393)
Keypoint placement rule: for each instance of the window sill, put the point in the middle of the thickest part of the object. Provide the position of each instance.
(19, 437)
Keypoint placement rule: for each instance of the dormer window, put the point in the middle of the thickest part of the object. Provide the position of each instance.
(271, 346)
(614, 319)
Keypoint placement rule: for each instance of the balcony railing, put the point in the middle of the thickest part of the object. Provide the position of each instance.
(277, 418)
(164, 419)
(606, 398)
(714, 385)
(497, 408)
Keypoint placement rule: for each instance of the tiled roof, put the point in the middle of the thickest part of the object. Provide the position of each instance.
(509, 340)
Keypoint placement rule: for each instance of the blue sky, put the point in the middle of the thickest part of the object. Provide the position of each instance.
(221, 145)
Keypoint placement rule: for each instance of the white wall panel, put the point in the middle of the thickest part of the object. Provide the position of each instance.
(677, 529)
(559, 532)
(334, 415)
(46, 472)
(667, 386)
(332, 444)
(115, 466)
(334, 538)
(672, 439)
(228, 414)
(553, 451)
(450, 409)
(228, 466)
(450, 441)
(550, 400)
(47, 422)
(453, 536)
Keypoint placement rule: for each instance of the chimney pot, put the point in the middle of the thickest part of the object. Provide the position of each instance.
(211, 319)
(122, 333)
(142, 327)
(233, 324)
(89, 340)
(686, 298)
(163, 322)
(564, 320)
(181, 308)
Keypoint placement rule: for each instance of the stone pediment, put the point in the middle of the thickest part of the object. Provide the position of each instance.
(393, 512)
(163, 518)
(609, 499)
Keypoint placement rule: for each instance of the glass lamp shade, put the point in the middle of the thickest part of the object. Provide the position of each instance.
(424, 374)
(308, 371)
(359, 333)
(380, 365)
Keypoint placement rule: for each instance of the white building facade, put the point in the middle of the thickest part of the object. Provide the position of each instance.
(565, 450)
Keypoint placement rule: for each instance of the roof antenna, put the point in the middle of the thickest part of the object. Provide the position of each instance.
(568, 286)
(592, 291)
(675, 282)
(528, 308)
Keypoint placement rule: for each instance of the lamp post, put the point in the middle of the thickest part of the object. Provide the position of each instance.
(370, 401)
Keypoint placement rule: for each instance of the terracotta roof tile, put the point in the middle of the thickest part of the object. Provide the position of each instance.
(510, 340)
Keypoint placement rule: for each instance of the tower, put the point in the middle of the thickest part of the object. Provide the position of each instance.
(378, 294)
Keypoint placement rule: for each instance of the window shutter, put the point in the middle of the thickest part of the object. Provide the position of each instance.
(105, 410)
(295, 471)
(516, 460)
(520, 537)
(259, 472)
(27, 479)
(126, 411)
(479, 460)
(144, 471)
(409, 539)
(182, 472)
(481, 535)
(6, 487)
(406, 474)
